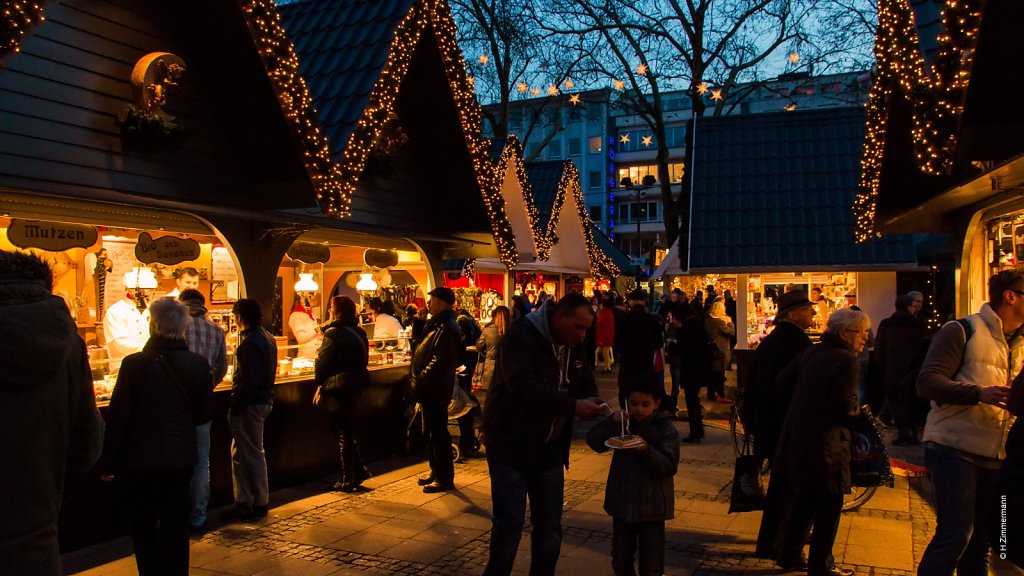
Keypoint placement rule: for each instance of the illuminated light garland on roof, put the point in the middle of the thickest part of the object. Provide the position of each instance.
(513, 153)
(17, 17)
(601, 265)
(282, 65)
(936, 96)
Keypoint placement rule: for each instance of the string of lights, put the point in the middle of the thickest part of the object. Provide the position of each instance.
(17, 17)
(513, 153)
(601, 265)
(935, 93)
(278, 54)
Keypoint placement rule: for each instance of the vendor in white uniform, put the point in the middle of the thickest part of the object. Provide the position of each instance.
(304, 329)
(126, 322)
(186, 278)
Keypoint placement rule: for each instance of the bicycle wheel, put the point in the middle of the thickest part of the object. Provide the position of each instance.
(857, 497)
(742, 441)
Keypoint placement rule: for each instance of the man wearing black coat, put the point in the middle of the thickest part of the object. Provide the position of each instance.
(433, 379)
(641, 338)
(542, 380)
(899, 347)
(765, 404)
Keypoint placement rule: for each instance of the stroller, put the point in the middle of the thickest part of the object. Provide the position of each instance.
(462, 403)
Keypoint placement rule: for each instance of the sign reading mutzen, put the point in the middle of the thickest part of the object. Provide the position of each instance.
(51, 236)
(165, 250)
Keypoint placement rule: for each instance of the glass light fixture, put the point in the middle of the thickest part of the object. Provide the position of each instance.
(306, 283)
(366, 283)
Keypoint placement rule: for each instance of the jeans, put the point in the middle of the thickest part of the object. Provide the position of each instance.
(199, 487)
(651, 539)
(964, 497)
(510, 486)
(157, 503)
(248, 460)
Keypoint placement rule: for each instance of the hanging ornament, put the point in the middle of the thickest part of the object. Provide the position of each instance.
(568, 84)
(642, 69)
(574, 99)
(624, 138)
(716, 94)
(522, 87)
(535, 91)
(647, 140)
(483, 59)
(552, 90)
(794, 57)
(619, 85)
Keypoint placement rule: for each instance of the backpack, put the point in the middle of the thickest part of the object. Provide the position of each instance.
(909, 381)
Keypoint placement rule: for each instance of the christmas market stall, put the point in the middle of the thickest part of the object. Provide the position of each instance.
(944, 150)
(770, 208)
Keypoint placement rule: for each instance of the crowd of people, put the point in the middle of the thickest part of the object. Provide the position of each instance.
(537, 369)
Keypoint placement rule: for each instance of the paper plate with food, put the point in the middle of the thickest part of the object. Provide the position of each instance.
(627, 442)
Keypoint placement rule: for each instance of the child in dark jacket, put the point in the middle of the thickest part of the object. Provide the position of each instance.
(639, 495)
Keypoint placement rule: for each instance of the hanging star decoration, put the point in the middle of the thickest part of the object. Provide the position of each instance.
(791, 106)
(619, 85)
(794, 57)
(569, 84)
(624, 138)
(642, 69)
(716, 94)
(522, 87)
(471, 80)
(647, 140)
(484, 59)
(702, 88)
(574, 99)
(552, 90)
(535, 91)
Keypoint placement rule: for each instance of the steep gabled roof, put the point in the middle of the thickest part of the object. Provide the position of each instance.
(773, 191)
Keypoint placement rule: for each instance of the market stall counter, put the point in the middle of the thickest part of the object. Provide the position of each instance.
(297, 439)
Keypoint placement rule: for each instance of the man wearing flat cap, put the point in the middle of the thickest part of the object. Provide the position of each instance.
(765, 403)
(433, 377)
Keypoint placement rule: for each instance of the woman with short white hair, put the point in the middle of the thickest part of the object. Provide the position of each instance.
(161, 394)
(813, 457)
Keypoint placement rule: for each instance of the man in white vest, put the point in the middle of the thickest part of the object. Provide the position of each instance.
(966, 375)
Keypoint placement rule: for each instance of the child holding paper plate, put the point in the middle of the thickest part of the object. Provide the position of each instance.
(639, 494)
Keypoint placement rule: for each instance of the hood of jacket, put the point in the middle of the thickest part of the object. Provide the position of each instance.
(195, 308)
(37, 333)
(540, 320)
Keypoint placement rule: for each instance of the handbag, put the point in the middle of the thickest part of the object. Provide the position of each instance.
(869, 459)
(659, 361)
(748, 490)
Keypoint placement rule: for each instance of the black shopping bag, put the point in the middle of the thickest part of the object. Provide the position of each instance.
(869, 459)
(747, 488)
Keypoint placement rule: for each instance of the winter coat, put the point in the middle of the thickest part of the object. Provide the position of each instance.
(157, 402)
(689, 349)
(765, 405)
(814, 446)
(255, 369)
(640, 486)
(901, 339)
(487, 348)
(720, 331)
(49, 424)
(641, 338)
(435, 359)
(605, 327)
(958, 419)
(345, 350)
(526, 408)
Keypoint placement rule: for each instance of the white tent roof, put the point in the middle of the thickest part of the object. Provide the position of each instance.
(669, 264)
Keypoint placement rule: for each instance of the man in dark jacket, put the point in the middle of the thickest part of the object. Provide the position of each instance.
(48, 419)
(642, 337)
(433, 378)
(541, 382)
(765, 404)
(899, 348)
(252, 399)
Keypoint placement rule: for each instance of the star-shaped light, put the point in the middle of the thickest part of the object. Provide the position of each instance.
(484, 59)
(522, 87)
(552, 90)
(790, 107)
(624, 138)
(574, 99)
(535, 91)
(647, 140)
(619, 85)
(794, 57)
(716, 94)
(642, 69)
(702, 88)
(471, 80)
(569, 84)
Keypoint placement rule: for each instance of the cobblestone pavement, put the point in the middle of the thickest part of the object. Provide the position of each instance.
(396, 529)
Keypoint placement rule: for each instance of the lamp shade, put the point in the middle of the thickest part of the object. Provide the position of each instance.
(140, 277)
(366, 282)
(306, 283)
